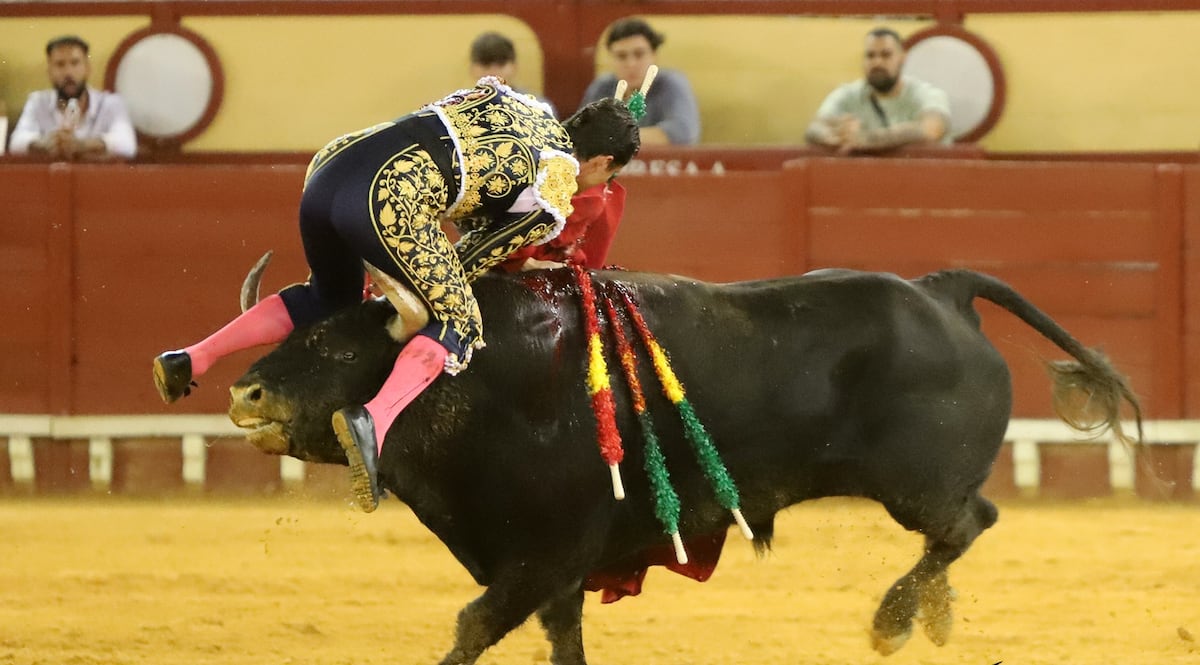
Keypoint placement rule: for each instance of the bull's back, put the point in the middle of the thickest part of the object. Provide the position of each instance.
(802, 348)
(840, 378)
(809, 386)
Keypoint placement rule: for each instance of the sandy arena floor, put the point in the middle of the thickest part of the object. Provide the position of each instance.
(279, 581)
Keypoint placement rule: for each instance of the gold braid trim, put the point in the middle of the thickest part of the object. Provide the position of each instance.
(406, 197)
(554, 187)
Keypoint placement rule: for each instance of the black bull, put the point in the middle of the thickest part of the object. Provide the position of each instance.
(837, 383)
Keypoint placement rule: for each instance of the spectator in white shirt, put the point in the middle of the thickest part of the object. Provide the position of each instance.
(884, 109)
(71, 120)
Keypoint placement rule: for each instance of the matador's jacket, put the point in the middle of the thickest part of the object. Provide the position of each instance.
(494, 163)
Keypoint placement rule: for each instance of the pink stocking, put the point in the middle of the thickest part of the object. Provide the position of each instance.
(265, 323)
(418, 364)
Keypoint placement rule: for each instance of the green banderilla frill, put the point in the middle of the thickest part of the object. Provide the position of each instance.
(706, 453)
(637, 105)
(666, 500)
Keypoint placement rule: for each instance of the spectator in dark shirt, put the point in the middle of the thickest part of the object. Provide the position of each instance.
(672, 115)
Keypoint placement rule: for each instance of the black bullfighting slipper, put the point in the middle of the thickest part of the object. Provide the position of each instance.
(355, 430)
(173, 375)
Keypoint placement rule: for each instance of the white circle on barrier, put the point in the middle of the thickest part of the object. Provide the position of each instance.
(166, 82)
(957, 67)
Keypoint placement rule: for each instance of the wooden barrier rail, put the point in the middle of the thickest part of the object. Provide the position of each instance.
(113, 263)
(155, 454)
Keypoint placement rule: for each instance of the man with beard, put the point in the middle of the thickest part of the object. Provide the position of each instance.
(71, 120)
(885, 109)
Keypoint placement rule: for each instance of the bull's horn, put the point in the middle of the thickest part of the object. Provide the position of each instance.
(410, 311)
(253, 280)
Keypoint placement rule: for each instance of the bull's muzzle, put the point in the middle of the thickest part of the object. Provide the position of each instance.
(251, 409)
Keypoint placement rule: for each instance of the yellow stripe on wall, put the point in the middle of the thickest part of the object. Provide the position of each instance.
(1110, 81)
(294, 83)
(1076, 82)
(1106, 81)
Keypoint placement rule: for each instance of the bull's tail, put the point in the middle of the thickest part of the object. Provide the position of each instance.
(1088, 391)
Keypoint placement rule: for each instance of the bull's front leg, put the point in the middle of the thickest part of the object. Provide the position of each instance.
(562, 618)
(506, 604)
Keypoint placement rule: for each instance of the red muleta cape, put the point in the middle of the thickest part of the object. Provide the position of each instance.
(587, 235)
(625, 577)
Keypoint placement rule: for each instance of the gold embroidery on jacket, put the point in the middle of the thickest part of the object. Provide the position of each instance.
(339, 144)
(482, 249)
(408, 196)
(500, 138)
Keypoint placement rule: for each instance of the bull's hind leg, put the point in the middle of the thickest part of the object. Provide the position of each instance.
(506, 604)
(926, 587)
(562, 618)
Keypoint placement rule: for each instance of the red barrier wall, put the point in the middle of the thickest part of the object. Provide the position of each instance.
(32, 265)
(109, 265)
(1102, 247)
(1095, 245)
(115, 263)
(1191, 292)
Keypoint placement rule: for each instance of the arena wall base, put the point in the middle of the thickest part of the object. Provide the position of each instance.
(235, 467)
(1074, 471)
(61, 466)
(206, 455)
(1166, 473)
(145, 466)
(6, 475)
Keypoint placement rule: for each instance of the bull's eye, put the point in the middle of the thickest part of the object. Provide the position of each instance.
(349, 356)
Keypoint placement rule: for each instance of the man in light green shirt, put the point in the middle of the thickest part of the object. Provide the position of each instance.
(883, 110)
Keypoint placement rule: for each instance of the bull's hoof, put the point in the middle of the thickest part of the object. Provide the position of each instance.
(355, 430)
(935, 612)
(887, 645)
(173, 375)
(937, 626)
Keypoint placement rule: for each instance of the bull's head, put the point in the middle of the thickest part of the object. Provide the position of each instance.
(285, 400)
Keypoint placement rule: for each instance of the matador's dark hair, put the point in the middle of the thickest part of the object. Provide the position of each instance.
(604, 127)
